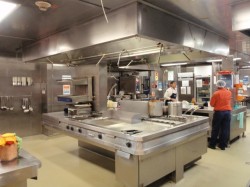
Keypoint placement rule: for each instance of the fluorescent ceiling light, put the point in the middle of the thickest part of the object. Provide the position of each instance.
(59, 65)
(123, 67)
(220, 60)
(236, 59)
(174, 64)
(245, 66)
(138, 53)
(6, 8)
(214, 60)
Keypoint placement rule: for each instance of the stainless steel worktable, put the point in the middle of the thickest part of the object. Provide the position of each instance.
(238, 120)
(16, 172)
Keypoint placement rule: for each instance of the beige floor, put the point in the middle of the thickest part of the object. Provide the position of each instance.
(63, 167)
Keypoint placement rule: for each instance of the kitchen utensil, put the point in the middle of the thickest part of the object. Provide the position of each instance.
(26, 104)
(175, 108)
(7, 99)
(23, 104)
(165, 109)
(155, 108)
(11, 107)
(3, 103)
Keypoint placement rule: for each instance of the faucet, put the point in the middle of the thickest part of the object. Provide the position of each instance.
(194, 110)
(111, 89)
(190, 109)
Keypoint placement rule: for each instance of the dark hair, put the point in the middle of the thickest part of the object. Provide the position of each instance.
(172, 82)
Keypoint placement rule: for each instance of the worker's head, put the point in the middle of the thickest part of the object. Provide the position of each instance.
(173, 84)
(220, 84)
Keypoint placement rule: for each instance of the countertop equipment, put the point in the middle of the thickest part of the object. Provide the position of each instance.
(78, 90)
(77, 93)
(138, 143)
(155, 108)
(175, 108)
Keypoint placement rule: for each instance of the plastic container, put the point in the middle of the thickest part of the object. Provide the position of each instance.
(8, 152)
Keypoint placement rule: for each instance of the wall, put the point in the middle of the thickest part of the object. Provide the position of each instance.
(24, 124)
(42, 93)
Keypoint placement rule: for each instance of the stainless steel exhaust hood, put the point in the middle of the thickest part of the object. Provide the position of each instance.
(133, 26)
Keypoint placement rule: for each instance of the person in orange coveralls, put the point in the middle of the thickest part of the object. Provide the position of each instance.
(221, 101)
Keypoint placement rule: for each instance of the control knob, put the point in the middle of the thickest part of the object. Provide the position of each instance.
(129, 144)
(72, 128)
(80, 130)
(67, 127)
(99, 136)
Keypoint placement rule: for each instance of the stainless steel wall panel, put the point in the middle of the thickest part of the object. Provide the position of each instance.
(24, 124)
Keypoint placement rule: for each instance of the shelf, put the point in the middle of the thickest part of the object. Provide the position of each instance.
(74, 98)
(81, 81)
(204, 91)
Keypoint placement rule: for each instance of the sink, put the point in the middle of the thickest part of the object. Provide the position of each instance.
(190, 117)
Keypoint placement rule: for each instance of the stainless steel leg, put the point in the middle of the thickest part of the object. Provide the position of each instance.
(127, 170)
(243, 135)
(179, 166)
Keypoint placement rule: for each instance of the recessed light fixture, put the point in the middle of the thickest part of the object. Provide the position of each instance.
(43, 5)
(174, 64)
(6, 8)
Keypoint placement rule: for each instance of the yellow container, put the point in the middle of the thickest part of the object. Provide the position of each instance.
(9, 137)
(2, 141)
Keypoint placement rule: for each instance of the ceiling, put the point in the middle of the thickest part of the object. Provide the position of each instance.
(28, 24)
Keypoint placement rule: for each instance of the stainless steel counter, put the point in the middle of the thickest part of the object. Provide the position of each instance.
(238, 122)
(138, 147)
(16, 172)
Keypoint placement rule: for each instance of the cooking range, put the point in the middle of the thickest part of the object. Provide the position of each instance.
(139, 142)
